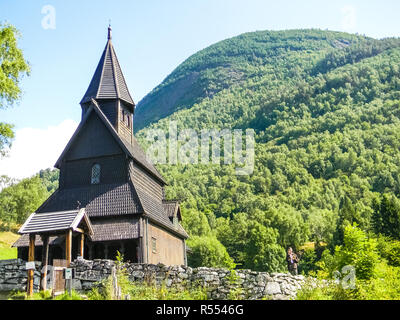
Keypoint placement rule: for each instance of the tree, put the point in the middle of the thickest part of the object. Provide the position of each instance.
(358, 251)
(12, 67)
(19, 200)
(207, 251)
(50, 179)
(195, 222)
(262, 251)
(386, 216)
(347, 216)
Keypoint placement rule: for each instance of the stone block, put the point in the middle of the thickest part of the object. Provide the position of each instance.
(272, 288)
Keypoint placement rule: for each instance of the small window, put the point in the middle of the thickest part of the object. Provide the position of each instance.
(96, 171)
(154, 245)
(123, 115)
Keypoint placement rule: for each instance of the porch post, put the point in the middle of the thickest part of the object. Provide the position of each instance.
(31, 258)
(68, 247)
(45, 261)
(82, 246)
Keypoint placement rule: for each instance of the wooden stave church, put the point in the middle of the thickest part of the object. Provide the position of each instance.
(104, 170)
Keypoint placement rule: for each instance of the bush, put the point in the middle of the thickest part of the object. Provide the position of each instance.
(208, 252)
(328, 291)
(358, 251)
(389, 250)
(386, 286)
(307, 262)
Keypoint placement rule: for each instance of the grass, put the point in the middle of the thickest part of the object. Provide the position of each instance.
(6, 241)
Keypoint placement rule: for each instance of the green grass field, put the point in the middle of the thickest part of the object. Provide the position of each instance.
(6, 241)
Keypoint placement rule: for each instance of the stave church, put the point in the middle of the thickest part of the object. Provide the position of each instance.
(110, 197)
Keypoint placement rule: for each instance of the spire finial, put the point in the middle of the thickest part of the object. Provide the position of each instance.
(109, 30)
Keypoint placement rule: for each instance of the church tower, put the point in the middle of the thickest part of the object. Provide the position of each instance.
(109, 89)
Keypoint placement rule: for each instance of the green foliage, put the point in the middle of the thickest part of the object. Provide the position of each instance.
(347, 216)
(262, 251)
(358, 251)
(67, 296)
(389, 250)
(6, 252)
(329, 291)
(6, 135)
(19, 200)
(49, 179)
(308, 261)
(325, 108)
(208, 252)
(12, 67)
(386, 216)
(385, 286)
(142, 291)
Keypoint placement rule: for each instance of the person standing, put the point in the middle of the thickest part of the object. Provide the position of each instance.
(292, 261)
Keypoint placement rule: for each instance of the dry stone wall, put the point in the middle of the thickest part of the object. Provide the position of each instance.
(13, 275)
(220, 283)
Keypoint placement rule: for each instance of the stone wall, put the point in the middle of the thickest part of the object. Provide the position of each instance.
(221, 283)
(13, 275)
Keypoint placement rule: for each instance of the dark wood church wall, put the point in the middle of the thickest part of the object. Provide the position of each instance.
(78, 173)
(110, 109)
(125, 122)
(94, 140)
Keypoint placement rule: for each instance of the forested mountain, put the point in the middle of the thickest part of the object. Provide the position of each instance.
(326, 110)
(325, 107)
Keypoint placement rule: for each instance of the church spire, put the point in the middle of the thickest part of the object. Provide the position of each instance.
(109, 32)
(108, 82)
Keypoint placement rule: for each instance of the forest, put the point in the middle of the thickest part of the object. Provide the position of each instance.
(325, 107)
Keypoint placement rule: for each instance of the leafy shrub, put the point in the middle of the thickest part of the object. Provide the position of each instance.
(308, 260)
(358, 251)
(208, 252)
(389, 250)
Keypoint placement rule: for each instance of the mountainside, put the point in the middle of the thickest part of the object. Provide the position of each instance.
(263, 57)
(326, 110)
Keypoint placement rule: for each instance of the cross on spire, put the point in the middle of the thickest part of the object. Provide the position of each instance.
(109, 30)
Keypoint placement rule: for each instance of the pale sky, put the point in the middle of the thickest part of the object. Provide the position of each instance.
(63, 41)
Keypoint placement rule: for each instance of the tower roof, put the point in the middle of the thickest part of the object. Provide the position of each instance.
(108, 82)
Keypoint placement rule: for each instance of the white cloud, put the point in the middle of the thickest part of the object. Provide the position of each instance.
(349, 18)
(35, 149)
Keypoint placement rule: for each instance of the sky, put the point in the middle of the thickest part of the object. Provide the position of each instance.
(63, 42)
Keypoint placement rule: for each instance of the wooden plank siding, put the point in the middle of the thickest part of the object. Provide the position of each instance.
(169, 249)
(94, 140)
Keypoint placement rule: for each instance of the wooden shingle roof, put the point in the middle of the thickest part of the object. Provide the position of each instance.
(171, 208)
(99, 200)
(122, 228)
(104, 229)
(108, 82)
(23, 241)
(52, 222)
